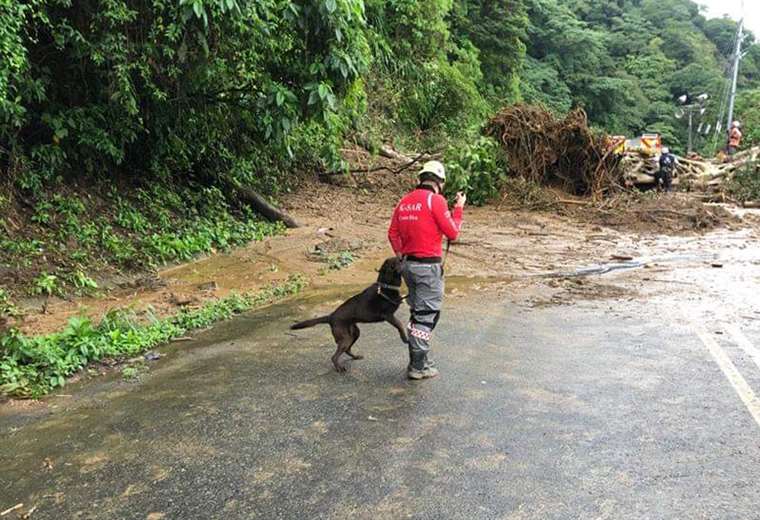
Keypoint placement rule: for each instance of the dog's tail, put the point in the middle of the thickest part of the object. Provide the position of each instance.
(310, 323)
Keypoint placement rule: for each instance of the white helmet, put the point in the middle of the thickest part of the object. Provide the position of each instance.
(665, 149)
(436, 168)
(736, 124)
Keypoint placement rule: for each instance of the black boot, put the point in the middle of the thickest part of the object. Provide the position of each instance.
(418, 368)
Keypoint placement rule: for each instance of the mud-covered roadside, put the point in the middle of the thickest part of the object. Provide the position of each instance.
(347, 221)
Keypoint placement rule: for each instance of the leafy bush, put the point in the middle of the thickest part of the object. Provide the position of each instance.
(745, 185)
(78, 232)
(30, 367)
(46, 284)
(478, 169)
(341, 260)
(7, 307)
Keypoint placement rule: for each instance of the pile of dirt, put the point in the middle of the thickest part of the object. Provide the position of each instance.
(645, 213)
(553, 151)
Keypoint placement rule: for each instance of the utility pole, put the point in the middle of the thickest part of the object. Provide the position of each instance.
(691, 105)
(691, 126)
(737, 59)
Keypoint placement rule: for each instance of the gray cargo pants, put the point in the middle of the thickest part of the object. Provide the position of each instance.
(425, 283)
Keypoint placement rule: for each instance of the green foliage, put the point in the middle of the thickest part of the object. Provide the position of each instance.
(157, 226)
(226, 93)
(443, 100)
(84, 283)
(46, 284)
(32, 366)
(408, 32)
(191, 87)
(497, 29)
(7, 308)
(340, 260)
(626, 62)
(745, 185)
(478, 169)
(748, 112)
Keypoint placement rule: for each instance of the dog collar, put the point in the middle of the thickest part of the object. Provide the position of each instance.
(390, 287)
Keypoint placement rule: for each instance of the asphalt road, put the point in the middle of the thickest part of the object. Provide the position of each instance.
(598, 409)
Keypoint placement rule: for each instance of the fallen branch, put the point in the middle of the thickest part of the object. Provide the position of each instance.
(267, 210)
(395, 171)
(576, 202)
(383, 150)
(12, 509)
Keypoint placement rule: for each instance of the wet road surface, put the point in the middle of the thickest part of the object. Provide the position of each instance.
(637, 408)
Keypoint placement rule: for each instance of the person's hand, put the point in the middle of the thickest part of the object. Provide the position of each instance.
(461, 198)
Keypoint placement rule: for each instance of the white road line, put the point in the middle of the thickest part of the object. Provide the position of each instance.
(751, 350)
(743, 390)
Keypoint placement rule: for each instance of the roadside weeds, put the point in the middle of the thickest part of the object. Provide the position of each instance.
(33, 366)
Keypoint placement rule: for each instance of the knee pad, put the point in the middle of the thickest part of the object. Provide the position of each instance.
(417, 316)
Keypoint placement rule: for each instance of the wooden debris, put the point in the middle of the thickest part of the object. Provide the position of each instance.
(12, 509)
(553, 151)
(708, 176)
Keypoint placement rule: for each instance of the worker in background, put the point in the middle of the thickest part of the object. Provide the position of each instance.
(734, 138)
(668, 163)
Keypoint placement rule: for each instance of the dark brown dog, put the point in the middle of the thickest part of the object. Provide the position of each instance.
(376, 303)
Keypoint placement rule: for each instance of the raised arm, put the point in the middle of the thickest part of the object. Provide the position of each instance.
(448, 223)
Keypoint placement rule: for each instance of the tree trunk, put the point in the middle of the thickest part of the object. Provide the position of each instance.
(267, 210)
(383, 150)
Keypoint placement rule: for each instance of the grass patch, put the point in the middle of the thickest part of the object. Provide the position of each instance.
(7, 308)
(341, 260)
(62, 238)
(33, 366)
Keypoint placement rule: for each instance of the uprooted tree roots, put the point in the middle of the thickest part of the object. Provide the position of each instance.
(554, 151)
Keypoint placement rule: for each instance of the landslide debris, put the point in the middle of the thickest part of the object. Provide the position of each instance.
(556, 152)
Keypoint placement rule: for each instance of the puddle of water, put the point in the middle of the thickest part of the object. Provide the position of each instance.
(227, 270)
(604, 268)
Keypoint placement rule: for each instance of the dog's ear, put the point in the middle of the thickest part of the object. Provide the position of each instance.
(396, 263)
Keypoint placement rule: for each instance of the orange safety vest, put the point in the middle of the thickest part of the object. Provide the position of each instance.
(735, 137)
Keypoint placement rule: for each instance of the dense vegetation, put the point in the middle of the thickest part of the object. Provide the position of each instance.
(239, 89)
(234, 91)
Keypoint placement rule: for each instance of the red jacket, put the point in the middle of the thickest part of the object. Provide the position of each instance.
(419, 222)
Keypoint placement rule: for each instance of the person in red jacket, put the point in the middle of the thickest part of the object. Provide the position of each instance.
(419, 223)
